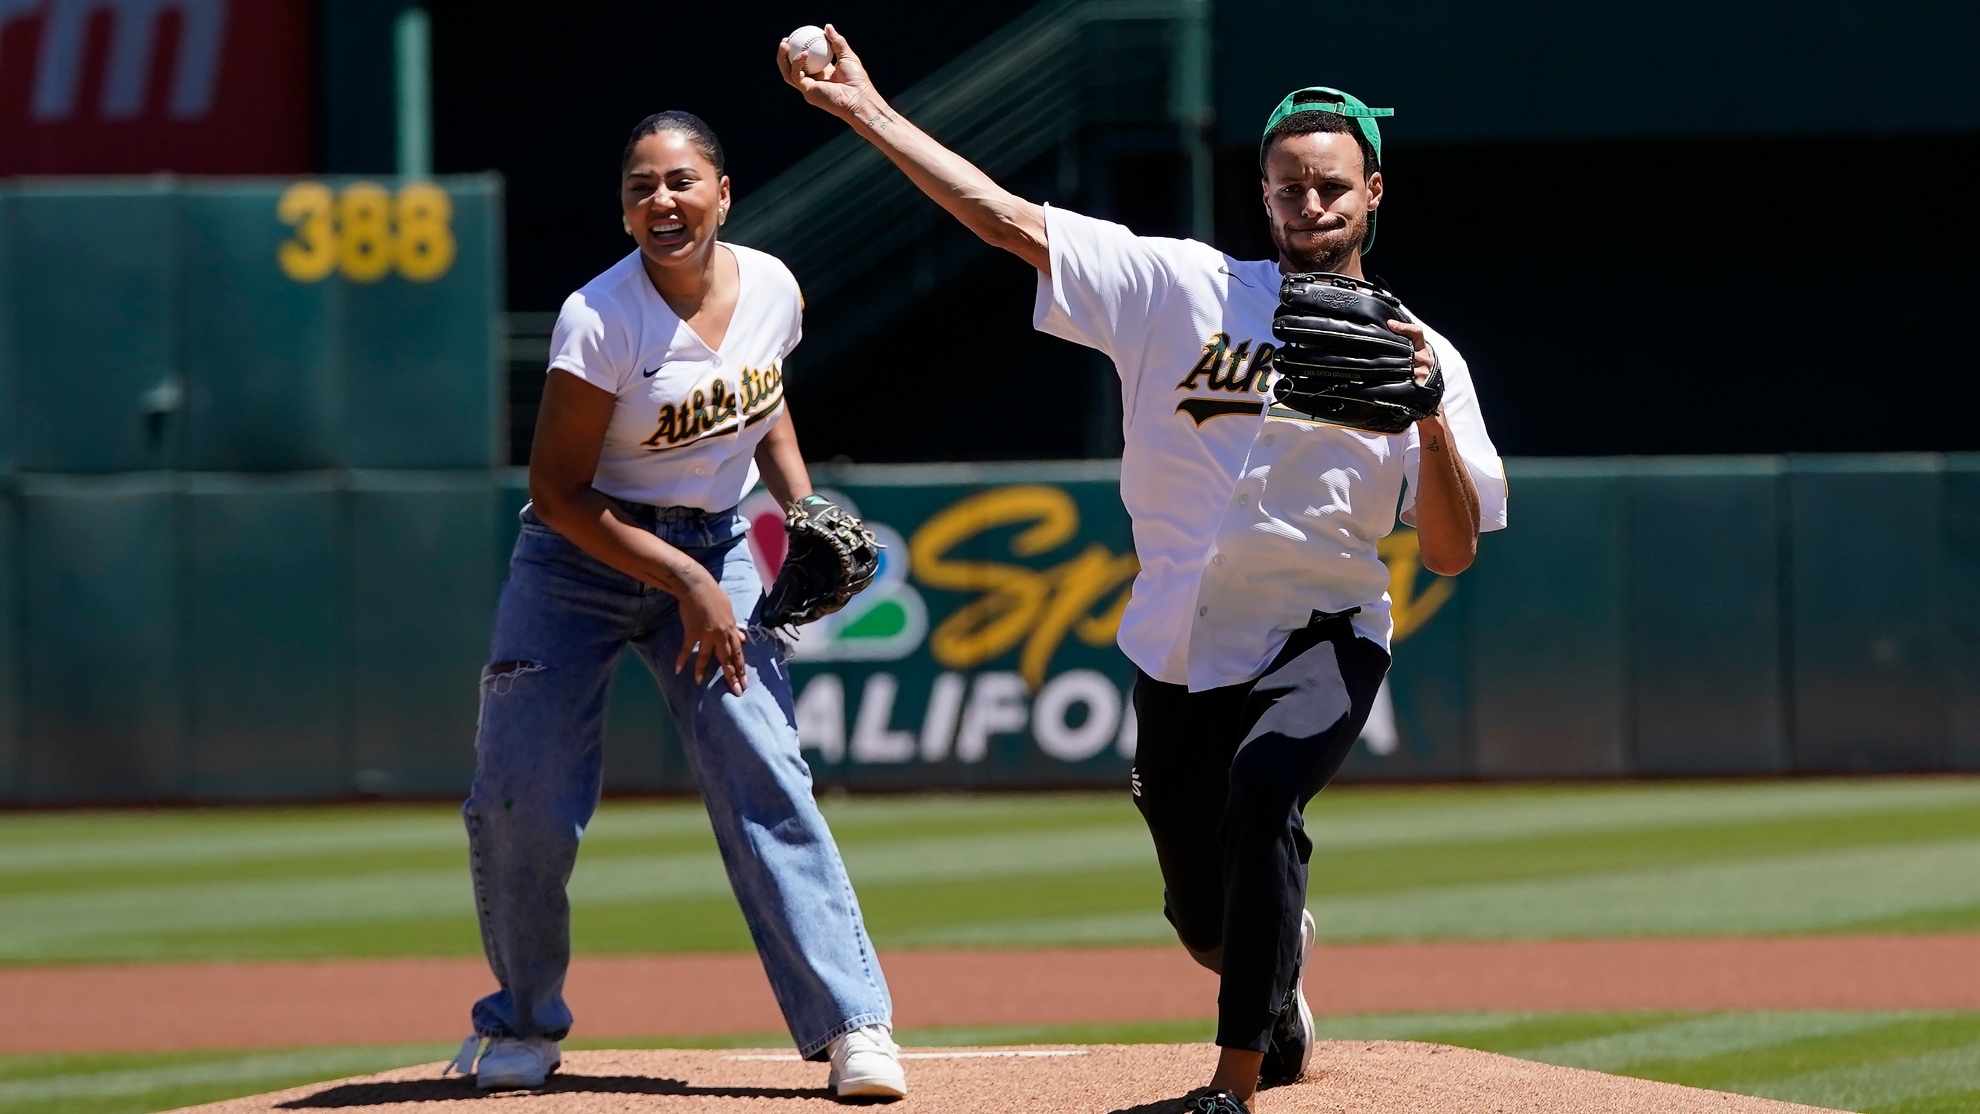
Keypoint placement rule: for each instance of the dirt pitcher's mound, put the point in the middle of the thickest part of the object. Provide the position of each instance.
(1362, 1077)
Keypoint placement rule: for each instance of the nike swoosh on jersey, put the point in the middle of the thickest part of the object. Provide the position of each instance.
(652, 373)
(1228, 273)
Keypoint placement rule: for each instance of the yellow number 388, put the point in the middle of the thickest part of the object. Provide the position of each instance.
(366, 232)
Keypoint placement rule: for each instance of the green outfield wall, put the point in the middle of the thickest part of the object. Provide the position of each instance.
(249, 325)
(171, 635)
(247, 433)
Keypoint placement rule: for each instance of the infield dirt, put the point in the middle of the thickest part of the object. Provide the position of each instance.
(1363, 1077)
(140, 1007)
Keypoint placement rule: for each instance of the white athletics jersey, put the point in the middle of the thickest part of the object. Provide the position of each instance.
(688, 419)
(1246, 520)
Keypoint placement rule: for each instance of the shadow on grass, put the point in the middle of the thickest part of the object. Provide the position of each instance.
(455, 1090)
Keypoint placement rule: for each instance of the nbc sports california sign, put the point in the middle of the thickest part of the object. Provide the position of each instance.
(983, 653)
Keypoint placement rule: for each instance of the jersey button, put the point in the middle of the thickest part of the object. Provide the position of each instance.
(1268, 439)
(717, 361)
(1217, 560)
(701, 469)
(1203, 611)
(1244, 500)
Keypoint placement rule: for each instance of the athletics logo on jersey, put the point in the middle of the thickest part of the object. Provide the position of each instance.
(718, 409)
(1227, 370)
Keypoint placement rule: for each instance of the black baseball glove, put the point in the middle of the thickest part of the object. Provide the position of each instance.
(1340, 363)
(831, 556)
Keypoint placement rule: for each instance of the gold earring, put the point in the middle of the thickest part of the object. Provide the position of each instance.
(722, 215)
(625, 222)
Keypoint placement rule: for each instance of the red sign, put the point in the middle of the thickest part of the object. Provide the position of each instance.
(133, 86)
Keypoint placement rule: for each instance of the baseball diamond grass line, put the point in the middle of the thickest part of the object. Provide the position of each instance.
(1775, 894)
(1886, 1062)
(121, 840)
(1784, 893)
(1716, 1035)
(1879, 1062)
(1897, 854)
(1351, 817)
(1886, 1083)
(228, 1072)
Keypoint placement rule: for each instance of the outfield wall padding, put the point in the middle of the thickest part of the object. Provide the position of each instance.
(1960, 606)
(259, 559)
(1867, 629)
(1703, 565)
(1548, 661)
(170, 635)
(98, 640)
(419, 598)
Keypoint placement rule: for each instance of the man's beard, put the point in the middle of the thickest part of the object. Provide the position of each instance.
(1329, 252)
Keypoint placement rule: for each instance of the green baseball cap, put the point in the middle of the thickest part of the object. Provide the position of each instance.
(1322, 98)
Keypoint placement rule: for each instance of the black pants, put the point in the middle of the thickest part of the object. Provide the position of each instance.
(1221, 776)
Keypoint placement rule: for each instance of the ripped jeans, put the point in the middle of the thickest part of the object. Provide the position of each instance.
(563, 621)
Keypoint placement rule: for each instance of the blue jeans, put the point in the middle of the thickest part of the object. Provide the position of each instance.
(563, 621)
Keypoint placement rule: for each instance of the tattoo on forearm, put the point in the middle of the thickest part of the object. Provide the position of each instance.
(1435, 444)
(879, 118)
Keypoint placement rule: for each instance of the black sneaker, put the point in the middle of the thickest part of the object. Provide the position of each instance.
(1292, 1035)
(1210, 1100)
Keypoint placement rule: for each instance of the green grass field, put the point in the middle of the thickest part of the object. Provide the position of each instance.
(1896, 855)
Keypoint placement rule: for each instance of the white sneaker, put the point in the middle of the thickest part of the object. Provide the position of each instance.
(866, 1062)
(1291, 1049)
(517, 1063)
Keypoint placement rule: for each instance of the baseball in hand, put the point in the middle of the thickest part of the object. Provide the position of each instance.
(808, 50)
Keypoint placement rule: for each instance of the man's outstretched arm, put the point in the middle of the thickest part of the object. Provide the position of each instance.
(1000, 217)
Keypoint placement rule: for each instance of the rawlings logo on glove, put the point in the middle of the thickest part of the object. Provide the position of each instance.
(832, 556)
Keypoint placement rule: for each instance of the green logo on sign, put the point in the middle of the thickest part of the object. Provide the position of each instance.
(884, 623)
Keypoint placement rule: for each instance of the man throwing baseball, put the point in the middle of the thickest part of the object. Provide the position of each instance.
(1276, 414)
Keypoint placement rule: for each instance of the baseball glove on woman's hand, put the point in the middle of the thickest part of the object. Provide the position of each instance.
(1340, 363)
(831, 557)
